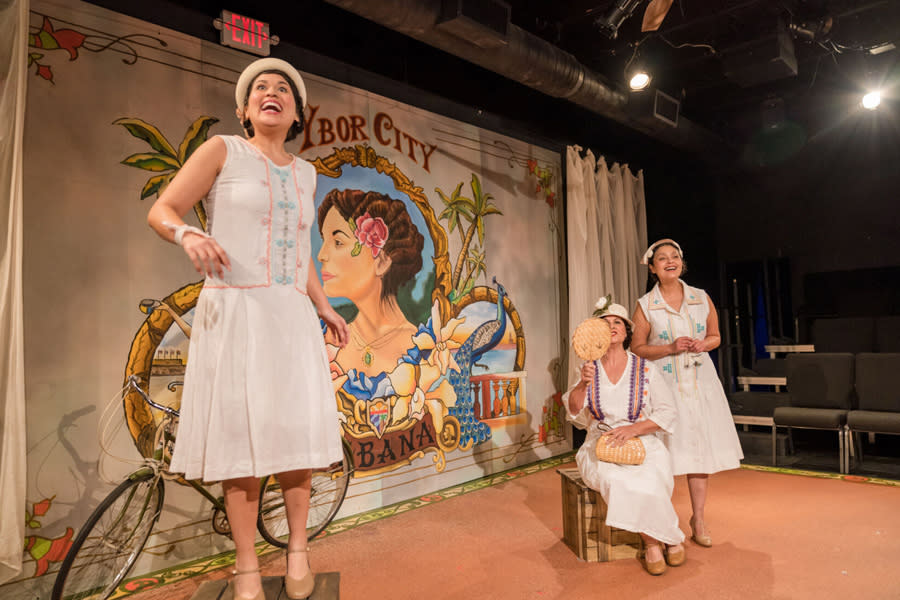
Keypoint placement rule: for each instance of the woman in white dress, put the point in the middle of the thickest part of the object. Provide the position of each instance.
(629, 395)
(676, 326)
(257, 396)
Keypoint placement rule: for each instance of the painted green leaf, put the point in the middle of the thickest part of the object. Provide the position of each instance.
(151, 162)
(147, 132)
(196, 135)
(156, 185)
(48, 42)
(357, 248)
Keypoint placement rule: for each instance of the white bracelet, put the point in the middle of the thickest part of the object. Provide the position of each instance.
(180, 230)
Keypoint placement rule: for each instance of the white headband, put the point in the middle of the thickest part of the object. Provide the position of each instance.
(645, 260)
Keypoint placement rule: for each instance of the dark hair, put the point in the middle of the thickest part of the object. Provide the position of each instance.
(628, 330)
(296, 127)
(651, 276)
(404, 244)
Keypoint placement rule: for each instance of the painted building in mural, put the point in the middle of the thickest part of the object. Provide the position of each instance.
(461, 222)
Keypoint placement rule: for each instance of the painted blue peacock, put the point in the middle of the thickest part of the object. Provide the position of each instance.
(485, 337)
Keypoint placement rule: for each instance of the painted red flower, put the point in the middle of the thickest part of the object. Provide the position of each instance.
(532, 165)
(371, 232)
(50, 39)
(45, 551)
(551, 198)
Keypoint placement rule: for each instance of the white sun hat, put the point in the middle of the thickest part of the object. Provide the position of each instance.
(605, 307)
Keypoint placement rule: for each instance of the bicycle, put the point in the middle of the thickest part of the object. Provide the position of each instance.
(112, 538)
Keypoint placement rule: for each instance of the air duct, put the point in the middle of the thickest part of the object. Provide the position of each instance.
(533, 62)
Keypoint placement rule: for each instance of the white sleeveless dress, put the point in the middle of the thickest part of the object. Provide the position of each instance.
(704, 439)
(257, 395)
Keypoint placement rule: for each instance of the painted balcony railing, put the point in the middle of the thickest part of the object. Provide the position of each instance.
(498, 395)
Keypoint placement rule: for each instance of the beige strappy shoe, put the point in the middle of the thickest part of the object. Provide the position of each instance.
(300, 589)
(260, 595)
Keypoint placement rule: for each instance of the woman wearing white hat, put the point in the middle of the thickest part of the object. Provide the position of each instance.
(257, 394)
(675, 325)
(629, 395)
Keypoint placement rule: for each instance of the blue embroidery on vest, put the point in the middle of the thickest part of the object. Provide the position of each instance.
(664, 336)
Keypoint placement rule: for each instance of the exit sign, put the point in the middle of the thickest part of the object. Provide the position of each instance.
(244, 33)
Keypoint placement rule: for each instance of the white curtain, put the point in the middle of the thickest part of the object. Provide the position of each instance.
(13, 47)
(606, 223)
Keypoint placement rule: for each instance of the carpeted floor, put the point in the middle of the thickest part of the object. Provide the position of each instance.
(777, 536)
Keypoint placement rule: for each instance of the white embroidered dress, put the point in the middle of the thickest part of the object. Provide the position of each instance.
(705, 439)
(257, 395)
(638, 497)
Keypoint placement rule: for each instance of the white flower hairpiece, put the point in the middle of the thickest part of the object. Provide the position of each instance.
(603, 302)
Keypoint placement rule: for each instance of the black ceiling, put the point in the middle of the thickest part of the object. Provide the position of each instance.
(708, 51)
(696, 56)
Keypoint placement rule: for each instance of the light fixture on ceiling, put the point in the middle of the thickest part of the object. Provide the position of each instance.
(871, 100)
(637, 70)
(638, 80)
(619, 11)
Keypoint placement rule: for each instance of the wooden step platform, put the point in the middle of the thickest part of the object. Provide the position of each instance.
(327, 588)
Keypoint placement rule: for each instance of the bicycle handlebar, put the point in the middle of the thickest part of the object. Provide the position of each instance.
(134, 383)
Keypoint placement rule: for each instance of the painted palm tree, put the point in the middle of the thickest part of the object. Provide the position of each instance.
(454, 207)
(166, 161)
(474, 210)
(476, 266)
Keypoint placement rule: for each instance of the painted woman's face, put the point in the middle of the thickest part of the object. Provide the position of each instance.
(345, 275)
(666, 263)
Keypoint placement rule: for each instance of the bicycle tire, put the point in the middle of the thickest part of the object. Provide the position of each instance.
(111, 539)
(328, 488)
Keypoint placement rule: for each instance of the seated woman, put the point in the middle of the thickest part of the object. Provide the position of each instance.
(629, 395)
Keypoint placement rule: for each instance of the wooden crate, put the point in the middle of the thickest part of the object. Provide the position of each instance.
(584, 523)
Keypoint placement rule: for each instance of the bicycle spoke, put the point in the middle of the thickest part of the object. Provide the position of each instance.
(110, 540)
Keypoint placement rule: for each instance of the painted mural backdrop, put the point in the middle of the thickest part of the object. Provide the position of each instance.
(461, 221)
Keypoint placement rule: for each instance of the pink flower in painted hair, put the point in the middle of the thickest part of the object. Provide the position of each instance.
(371, 232)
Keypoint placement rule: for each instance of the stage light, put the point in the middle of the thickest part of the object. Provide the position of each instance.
(619, 11)
(639, 80)
(871, 100)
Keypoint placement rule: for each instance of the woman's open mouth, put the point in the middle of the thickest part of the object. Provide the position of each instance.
(270, 106)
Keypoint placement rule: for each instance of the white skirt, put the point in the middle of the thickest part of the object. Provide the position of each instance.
(704, 439)
(638, 497)
(257, 395)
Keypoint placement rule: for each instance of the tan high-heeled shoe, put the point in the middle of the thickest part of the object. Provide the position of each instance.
(674, 558)
(260, 595)
(702, 540)
(300, 589)
(654, 568)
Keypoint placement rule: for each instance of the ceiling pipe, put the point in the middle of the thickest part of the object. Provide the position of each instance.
(534, 62)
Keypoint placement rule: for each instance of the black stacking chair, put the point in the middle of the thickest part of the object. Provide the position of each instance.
(879, 399)
(844, 334)
(887, 334)
(821, 393)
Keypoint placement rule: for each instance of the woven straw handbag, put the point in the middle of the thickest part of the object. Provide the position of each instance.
(631, 452)
(591, 338)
